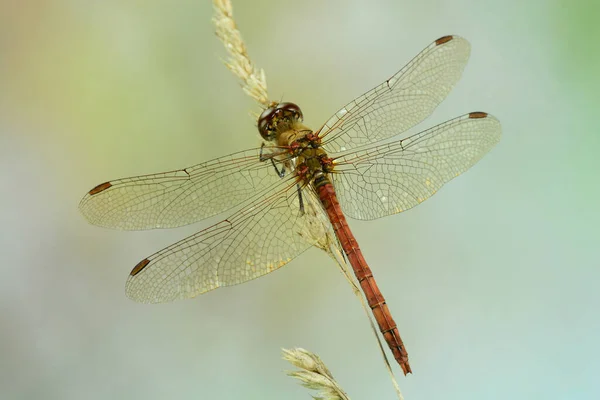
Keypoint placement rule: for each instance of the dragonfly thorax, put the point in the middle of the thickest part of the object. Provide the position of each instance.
(313, 165)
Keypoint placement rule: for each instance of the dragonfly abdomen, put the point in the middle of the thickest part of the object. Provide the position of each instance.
(363, 273)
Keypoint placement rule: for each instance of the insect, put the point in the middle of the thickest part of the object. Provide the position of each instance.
(343, 167)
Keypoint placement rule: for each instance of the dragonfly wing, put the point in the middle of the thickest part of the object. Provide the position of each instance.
(402, 101)
(391, 178)
(260, 238)
(176, 198)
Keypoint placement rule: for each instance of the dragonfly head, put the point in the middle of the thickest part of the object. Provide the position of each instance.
(278, 118)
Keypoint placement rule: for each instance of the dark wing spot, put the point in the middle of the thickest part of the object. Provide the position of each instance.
(139, 267)
(478, 114)
(444, 39)
(100, 188)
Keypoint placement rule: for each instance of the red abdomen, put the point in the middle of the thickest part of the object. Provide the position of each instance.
(363, 273)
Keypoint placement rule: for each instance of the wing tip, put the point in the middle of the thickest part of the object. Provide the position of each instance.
(482, 115)
(496, 131)
(453, 39)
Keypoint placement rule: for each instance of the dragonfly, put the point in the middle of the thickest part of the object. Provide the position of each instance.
(347, 168)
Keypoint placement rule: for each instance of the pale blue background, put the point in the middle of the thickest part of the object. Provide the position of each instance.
(493, 281)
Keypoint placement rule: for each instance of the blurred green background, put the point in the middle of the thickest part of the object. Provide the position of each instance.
(493, 281)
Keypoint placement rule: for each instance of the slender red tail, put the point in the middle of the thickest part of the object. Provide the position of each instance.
(363, 273)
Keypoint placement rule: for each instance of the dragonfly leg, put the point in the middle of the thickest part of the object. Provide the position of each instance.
(300, 200)
(280, 173)
(263, 158)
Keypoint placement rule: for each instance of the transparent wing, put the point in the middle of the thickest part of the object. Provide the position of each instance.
(176, 198)
(391, 178)
(402, 101)
(262, 237)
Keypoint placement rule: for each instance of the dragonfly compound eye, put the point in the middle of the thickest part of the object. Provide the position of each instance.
(265, 123)
(290, 110)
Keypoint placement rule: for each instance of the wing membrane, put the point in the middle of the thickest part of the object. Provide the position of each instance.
(176, 198)
(391, 178)
(402, 101)
(260, 238)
